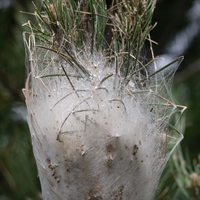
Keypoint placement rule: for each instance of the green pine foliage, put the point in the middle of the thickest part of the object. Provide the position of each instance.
(118, 29)
(18, 175)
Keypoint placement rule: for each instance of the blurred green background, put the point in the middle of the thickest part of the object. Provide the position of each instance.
(177, 33)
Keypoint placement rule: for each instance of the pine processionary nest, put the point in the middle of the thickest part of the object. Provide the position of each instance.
(102, 125)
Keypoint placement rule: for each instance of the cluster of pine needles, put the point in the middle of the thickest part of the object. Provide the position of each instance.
(117, 28)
